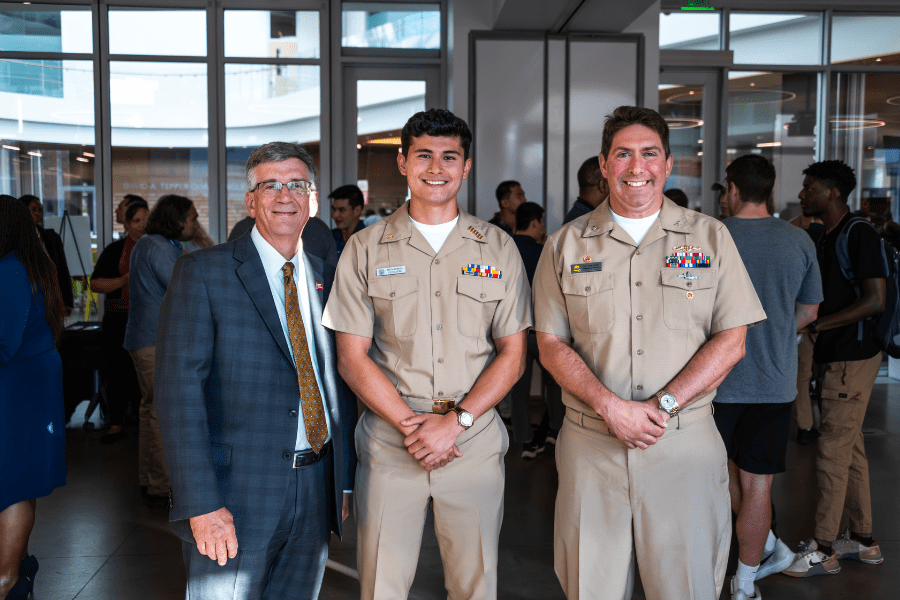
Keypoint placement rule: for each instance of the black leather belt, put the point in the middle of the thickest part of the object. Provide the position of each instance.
(305, 458)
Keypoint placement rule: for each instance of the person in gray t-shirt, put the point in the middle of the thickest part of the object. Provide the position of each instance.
(753, 403)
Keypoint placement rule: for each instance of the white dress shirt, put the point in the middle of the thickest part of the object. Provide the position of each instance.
(273, 262)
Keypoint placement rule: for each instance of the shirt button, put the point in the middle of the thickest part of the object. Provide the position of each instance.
(639, 317)
(440, 360)
(638, 252)
(639, 387)
(292, 413)
(640, 352)
(438, 327)
(437, 262)
(286, 456)
(689, 284)
(638, 284)
(440, 393)
(437, 293)
(587, 289)
(392, 294)
(481, 296)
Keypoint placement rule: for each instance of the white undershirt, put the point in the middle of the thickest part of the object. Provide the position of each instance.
(436, 235)
(636, 228)
(273, 262)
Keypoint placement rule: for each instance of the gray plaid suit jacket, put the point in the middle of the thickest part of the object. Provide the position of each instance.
(225, 387)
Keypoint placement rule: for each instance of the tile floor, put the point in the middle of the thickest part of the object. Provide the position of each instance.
(96, 540)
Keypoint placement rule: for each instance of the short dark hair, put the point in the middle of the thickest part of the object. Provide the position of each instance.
(834, 174)
(351, 193)
(505, 189)
(526, 213)
(589, 174)
(135, 204)
(28, 199)
(677, 196)
(278, 152)
(129, 198)
(436, 122)
(754, 177)
(169, 216)
(625, 116)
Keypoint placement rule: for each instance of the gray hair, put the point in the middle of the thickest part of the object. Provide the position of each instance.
(278, 152)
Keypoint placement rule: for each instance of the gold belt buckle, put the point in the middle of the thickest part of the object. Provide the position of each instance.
(442, 407)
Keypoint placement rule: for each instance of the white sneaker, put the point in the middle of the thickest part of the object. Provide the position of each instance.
(739, 594)
(810, 561)
(775, 561)
(850, 548)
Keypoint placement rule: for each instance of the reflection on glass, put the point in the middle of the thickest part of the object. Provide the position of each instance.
(272, 34)
(864, 126)
(776, 39)
(159, 132)
(418, 26)
(774, 114)
(47, 140)
(383, 108)
(157, 32)
(45, 28)
(865, 40)
(267, 103)
(682, 108)
(689, 31)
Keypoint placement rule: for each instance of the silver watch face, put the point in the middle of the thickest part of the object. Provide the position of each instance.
(667, 402)
(465, 419)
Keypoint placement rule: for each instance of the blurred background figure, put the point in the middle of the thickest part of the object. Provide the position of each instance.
(123, 206)
(592, 189)
(32, 425)
(110, 277)
(54, 246)
(677, 196)
(509, 196)
(724, 211)
(346, 209)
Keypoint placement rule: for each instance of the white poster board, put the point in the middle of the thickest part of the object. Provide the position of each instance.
(76, 229)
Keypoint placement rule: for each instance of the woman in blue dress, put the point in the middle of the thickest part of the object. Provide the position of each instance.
(32, 427)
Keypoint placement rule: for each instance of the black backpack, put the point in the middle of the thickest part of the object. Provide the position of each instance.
(886, 329)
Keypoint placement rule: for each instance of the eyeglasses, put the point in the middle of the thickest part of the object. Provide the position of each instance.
(273, 188)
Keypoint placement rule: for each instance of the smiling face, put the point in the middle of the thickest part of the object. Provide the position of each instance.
(435, 169)
(280, 218)
(137, 224)
(636, 171)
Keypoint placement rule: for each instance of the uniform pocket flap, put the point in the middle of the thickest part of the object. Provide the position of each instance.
(482, 289)
(588, 284)
(221, 454)
(392, 288)
(686, 279)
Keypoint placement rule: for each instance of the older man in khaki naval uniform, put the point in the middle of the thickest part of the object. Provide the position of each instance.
(430, 307)
(641, 310)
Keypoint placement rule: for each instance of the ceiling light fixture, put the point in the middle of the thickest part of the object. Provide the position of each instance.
(846, 123)
(11, 147)
(387, 141)
(683, 122)
(768, 144)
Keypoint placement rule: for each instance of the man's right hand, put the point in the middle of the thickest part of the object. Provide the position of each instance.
(635, 424)
(215, 535)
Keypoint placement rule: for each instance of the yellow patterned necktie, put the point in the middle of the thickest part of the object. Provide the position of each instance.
(310, 398)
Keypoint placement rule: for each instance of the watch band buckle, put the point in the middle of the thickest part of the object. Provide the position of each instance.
(442, 407)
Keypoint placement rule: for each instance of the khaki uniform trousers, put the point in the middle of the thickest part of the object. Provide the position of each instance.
(391, 502)
(842, 469)
(669, 502)
(803, 403)
(152, 470)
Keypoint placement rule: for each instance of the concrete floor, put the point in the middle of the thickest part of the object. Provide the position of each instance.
(96, 540)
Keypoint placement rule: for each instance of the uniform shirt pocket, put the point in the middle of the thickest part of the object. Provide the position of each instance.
(395, 299)
(687, 303)
(477, 299)
(589, 301)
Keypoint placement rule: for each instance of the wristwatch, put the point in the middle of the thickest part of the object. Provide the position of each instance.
(463, 417)
(812, 327)
(667, 403)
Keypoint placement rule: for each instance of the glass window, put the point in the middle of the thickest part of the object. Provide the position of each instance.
(272, 34)
(159, 116)
(865, 39)
(774, 114)
(395, 26)
(46, 28)
(265, 103)
(682, 108)
(689, 31)
(776, 39)
(47, 143)
(864, 125)
(157, 32)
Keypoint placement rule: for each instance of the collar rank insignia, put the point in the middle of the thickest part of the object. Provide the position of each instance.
(475, 232)
(686, 256)
(483, 271)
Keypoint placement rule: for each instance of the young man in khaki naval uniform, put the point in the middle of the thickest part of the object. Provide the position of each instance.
(641, 310)
(430, 306)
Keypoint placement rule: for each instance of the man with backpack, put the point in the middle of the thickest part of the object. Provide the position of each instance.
(854, 271)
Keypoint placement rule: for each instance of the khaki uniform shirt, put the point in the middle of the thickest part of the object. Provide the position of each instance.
(635, 321)
(432, 325)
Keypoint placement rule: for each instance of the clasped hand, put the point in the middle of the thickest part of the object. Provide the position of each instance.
(433, 441)
(636, 424)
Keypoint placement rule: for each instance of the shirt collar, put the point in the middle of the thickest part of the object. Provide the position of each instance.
(271, 258)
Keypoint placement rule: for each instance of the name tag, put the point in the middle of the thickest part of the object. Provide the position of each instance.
(390, 271)
(587, 267)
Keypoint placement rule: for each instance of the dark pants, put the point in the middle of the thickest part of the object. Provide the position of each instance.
(521, 392)
(291, 566)
(123, 394)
